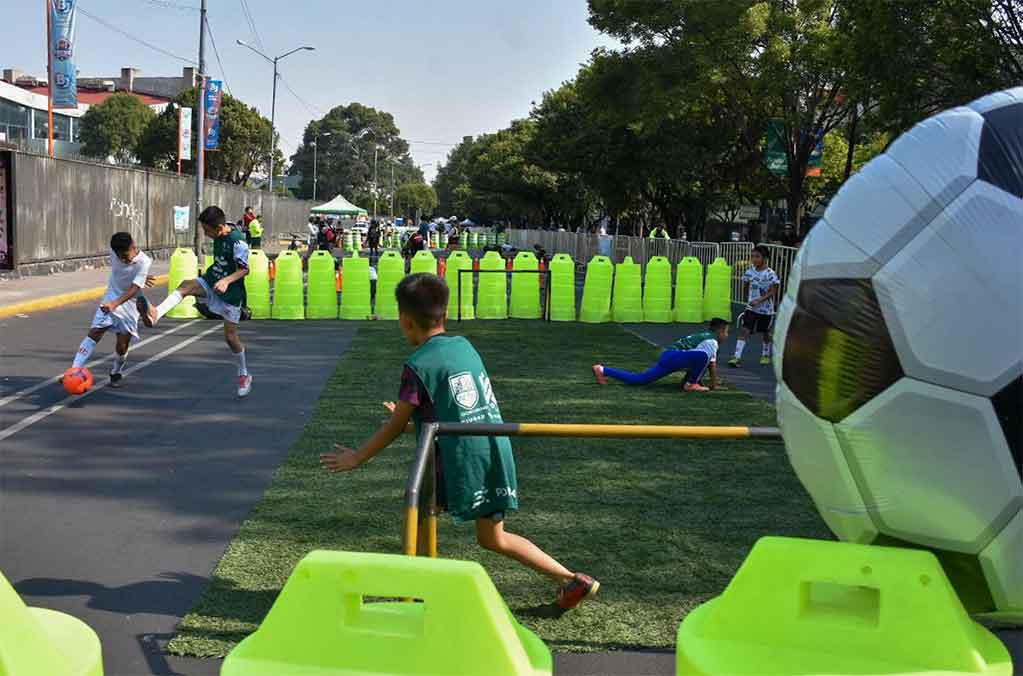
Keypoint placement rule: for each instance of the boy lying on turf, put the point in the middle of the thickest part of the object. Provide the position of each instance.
(445, 380)
(693, 354)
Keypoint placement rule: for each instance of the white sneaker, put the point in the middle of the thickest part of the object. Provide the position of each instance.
(244, 385)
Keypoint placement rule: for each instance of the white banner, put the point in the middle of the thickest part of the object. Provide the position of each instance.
(184, 133)
(181, 219)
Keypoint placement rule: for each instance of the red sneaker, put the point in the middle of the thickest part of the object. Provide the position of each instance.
(573, 592)
(695, 387)
(598, 371)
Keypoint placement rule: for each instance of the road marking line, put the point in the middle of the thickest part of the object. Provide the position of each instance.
(96, 362)
(39, 415)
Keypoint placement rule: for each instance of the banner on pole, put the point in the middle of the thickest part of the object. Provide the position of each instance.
(213, 96)
(64, 85)
(775, 157)
(184, 133)
(181, 219)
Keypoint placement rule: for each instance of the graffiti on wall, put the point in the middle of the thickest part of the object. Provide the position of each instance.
(127, 210)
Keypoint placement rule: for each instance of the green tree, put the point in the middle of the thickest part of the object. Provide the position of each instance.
(115, 127)
(350, 140)
(416, 199)
(244, 140)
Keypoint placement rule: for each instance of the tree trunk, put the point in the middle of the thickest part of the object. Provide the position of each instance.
(852, 140)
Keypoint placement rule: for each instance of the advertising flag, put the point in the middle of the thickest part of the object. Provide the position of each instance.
(184, 133)
(213, 95)
(64, 83)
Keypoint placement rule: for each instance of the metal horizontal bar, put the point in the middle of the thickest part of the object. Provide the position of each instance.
(606, 431)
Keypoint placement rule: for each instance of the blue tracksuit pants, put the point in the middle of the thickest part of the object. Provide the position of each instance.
(693, 362)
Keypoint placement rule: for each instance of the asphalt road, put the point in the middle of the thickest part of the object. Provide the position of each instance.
(115, 507)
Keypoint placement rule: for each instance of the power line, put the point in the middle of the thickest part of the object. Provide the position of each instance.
(167, 4)
(308, 106)
(434, 143)
(133, 38)
(223, 72)
(252, 24)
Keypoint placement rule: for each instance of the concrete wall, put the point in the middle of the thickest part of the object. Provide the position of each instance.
(65, 209)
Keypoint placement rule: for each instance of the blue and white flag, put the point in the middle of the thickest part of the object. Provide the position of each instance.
(214, 92)
(64, 83)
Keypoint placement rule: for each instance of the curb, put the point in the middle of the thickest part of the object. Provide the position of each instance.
(60, 300)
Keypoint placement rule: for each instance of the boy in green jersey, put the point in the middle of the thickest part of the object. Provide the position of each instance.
(445, 381)
(221, 286)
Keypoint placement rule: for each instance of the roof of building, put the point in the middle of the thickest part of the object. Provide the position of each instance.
(92, 97)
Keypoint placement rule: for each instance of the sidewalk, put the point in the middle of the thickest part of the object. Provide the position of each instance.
(34, 294)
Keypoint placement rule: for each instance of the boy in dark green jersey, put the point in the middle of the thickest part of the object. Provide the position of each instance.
(693, 354)
(222, 287)
(445, 381)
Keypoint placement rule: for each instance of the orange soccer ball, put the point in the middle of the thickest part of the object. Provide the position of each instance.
(77, 380)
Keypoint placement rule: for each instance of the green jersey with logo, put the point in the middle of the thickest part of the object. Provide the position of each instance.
(479, 472)
(691, 342)
(230, 253)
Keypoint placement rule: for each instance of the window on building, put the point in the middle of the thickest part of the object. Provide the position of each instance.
(61, 127)
(13, 121)
(42, 127)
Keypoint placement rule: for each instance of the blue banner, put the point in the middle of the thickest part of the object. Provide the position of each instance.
(213, 95)
(64, 84)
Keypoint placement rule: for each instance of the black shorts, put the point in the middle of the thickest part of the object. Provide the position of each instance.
(754, 322)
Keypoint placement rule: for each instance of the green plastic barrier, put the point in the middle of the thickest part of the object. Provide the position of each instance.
(348, 241)
(289, 296)
(525, 289)
(321, 292)
(390, 271)
(628, 292)
(491, 238)
(257, 285)
(459, 260)
(472, 240)
(42, 642)
(717, 294)
(424, 261)
(819, 607)
(355, 294)
(443, 241)
(502, 238)
(657, 291)
(596, 305)
(206, 263)
(183, 265)
(689, 291)
(323, 624)
(562, 296)
(492, 294)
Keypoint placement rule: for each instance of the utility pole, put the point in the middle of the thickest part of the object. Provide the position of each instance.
(200, 138)
(392, 191)
(273, 120)
(375, 149)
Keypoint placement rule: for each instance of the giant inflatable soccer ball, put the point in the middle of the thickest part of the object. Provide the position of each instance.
(900, 388)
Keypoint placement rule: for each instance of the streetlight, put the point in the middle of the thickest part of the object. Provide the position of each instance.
(273, 101)
(376, 147)
(316, 146)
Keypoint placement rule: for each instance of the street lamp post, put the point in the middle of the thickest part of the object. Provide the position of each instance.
(273, 100)
(316, 145)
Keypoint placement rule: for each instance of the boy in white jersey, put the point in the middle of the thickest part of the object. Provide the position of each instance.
(129, 273)
(758, 316)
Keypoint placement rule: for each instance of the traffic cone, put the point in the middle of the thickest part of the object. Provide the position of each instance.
(257, 285)
(525, 298)
(657, 291)
(273, 269)
(442, 267)
(596, 306)
(338, 284)
(628, 292)
(689, 291)
(543, 274)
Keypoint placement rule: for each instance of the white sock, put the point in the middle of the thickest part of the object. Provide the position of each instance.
(767, 350)
(740, 345)
(168, 303)
(242, 369)
(119, 362)
(84, 352)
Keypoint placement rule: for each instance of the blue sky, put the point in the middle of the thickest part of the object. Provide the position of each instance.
(443, 68)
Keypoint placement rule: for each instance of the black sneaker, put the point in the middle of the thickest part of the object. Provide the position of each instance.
(115, 379)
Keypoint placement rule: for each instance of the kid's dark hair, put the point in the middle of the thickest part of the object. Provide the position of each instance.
(717, 324)
(213, 216)
(121, 242)
(424, 298)
(763, 251)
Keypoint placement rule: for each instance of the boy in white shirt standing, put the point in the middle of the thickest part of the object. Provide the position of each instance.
(758, 316)
(129, 273)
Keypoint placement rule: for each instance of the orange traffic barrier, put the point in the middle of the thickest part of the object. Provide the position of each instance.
(543, 274)
(273, 270)
(338, 281)
(442, 267)
(475, 265)
(508, 265)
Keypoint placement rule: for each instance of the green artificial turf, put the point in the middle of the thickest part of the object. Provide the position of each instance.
(662, 524)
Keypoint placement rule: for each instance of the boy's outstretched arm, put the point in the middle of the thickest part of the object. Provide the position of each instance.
(120, 300)
(346, 459)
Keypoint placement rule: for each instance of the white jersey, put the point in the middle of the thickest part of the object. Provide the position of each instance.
(710, 347)
(760, 282)
(122, 277)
